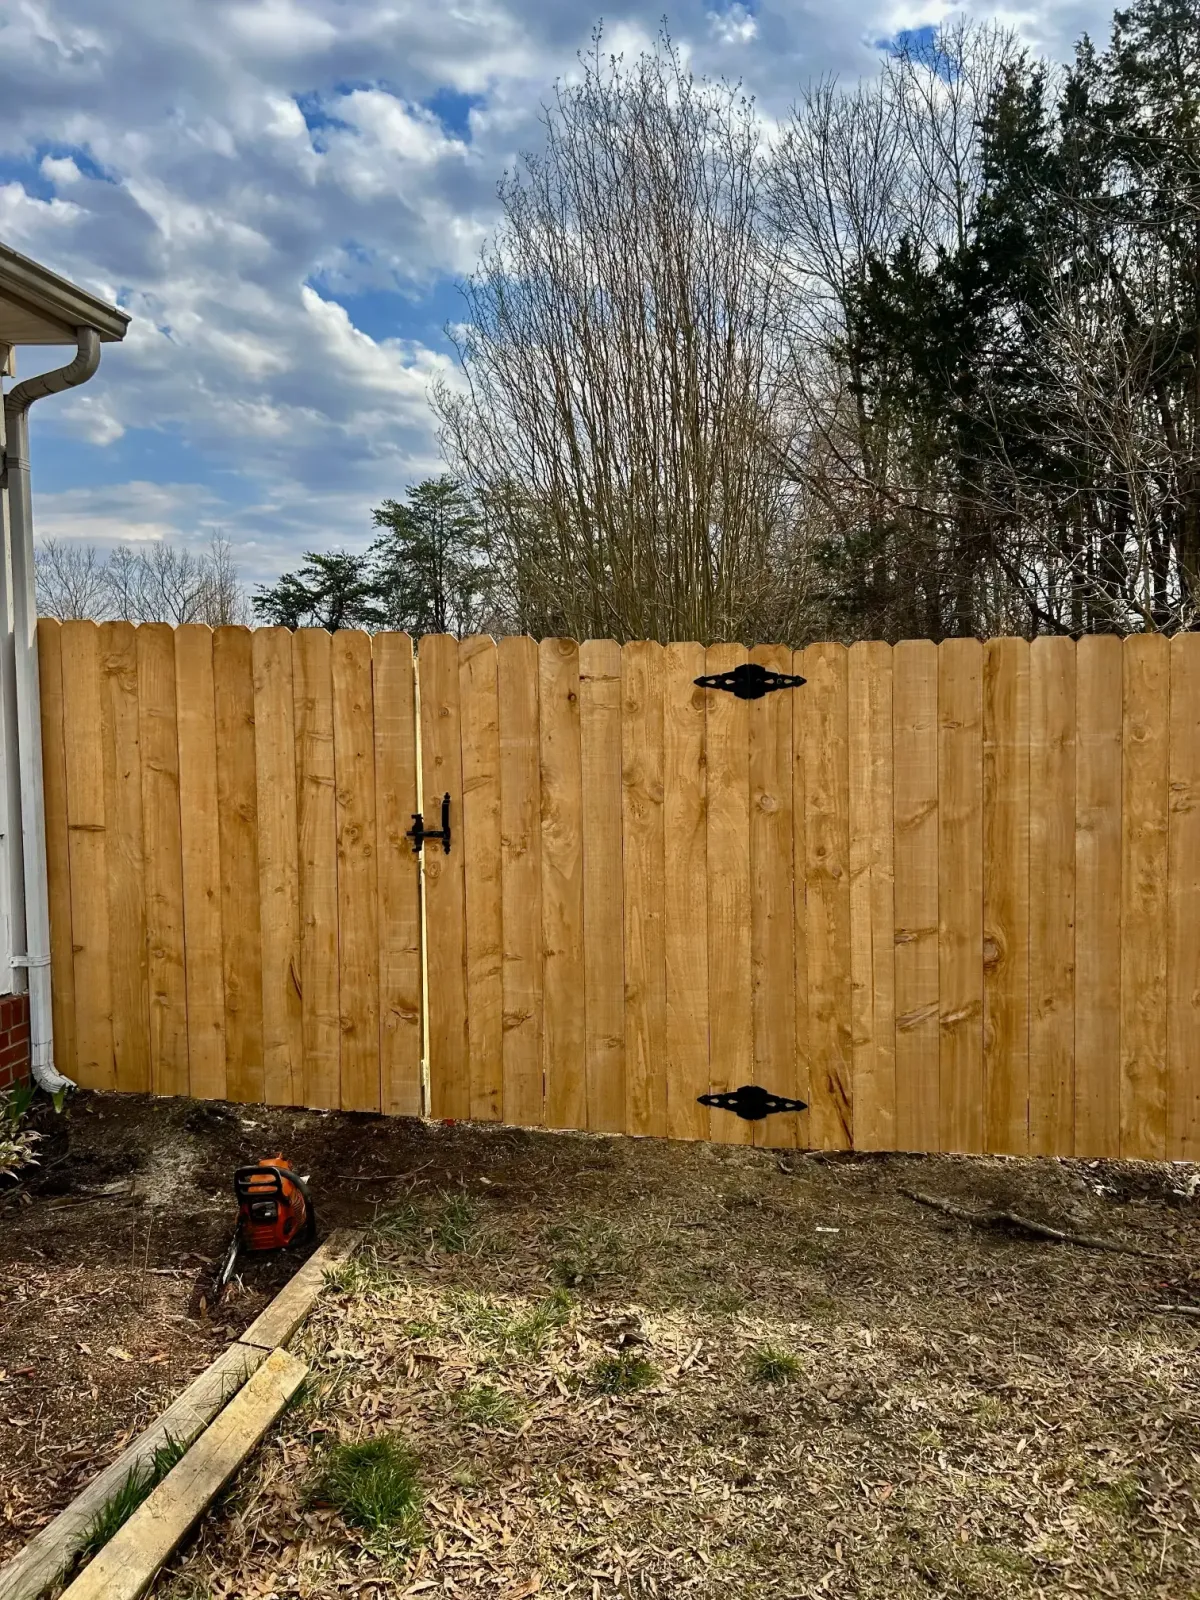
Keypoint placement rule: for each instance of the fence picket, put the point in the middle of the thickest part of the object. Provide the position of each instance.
(564, 1070)
(685, 892)
(1144, 897)
(401, 1041)
(128, 969)
(481, 866)
(87, 842)
(201, 855)
(237, 818)
(521, 878)
(730, 1002)
(960, 893)
(158, 740)
(1183, 888)
(645, 887)
(603, 926)
(357, 887)
(441, 768)
(1098, 740)
(872, 897)
(278, 867)
(317, 866)
(772, 919)
(1006, 896)
(1052, 897)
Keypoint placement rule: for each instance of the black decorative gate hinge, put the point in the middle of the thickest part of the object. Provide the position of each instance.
(751, 1102)
(749, 681)
(419, 833)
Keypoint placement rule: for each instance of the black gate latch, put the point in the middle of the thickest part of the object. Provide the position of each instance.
(751, 1102)
(418, 833)
(749, 681)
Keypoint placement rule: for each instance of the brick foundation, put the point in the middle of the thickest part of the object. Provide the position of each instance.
(14, 1040)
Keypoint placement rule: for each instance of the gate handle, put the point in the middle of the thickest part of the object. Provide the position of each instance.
(418, 833)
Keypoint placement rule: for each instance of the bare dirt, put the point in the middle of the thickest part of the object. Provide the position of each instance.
(964, 1411)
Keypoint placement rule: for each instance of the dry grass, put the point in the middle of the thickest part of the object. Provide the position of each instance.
(896, 1405)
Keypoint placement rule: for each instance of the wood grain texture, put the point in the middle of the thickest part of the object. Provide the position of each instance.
(917, 967)
(481, 866)
(960, 892)
(730, 1003)
(445, 933)
(827, 872)
(127, 1565)
(357, 881)
(772, 915)
(1098, 784)
(685, 894)
(603, 924)
(58, 862)
(872, 908)
(87, 842)
(317, 861)
(521, 877)
(199, 826)
(801, 713)
(1052, 897)
(128, 965)
(278, 866)
(400, 1006)
(237, 822)
(563, 1054)
(1006, 896)
(643, 846)
(159, 742)
(1146, 721)
(1183, 904)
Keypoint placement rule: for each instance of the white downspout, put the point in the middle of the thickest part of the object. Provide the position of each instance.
(29, 717)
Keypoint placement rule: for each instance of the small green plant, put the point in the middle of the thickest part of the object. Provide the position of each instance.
(769, 1365)
(487, 1407)
(374, 1484)
(402, 1223)
(530, 1331)
(622, 1374)
(457, 1224)
(124, 1501)
(16, 1141)
(588, 1253)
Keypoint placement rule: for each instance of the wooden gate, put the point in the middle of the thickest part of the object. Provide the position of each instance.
(947, 895)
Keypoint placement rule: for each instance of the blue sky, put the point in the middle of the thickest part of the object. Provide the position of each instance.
(283, 194)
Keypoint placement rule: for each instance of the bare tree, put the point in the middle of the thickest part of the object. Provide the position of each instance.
(622, 349)
(71, 581)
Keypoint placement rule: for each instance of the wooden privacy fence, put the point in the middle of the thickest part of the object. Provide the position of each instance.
(948, 895)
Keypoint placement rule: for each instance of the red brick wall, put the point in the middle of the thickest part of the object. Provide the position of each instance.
(14, 1040)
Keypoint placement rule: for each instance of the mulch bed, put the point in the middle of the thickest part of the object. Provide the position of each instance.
(963, 1409)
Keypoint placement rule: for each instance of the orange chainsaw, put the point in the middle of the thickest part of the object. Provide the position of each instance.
(275, 1211)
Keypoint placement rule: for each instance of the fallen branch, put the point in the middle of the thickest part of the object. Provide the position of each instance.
(1181, 1311)
(1040, 1230)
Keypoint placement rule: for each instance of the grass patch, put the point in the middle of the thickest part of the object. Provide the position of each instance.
(523, 1332)
(1119, 1499)
(588, 1254)
(375, 1485)
(487, 1407)
(124, 1501)
(457, 1224)
(622, 1374)
(403, 1223)
(768, 1364)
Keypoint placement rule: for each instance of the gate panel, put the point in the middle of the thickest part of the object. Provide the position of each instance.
(645, 885)
(520, 880)
(481, 866)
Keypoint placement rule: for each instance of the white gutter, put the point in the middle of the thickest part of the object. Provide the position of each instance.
(36, 957)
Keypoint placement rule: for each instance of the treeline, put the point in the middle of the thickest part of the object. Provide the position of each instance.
(923, 360)
(158, 582)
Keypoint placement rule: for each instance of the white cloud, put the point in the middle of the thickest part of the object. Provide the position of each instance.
(176, 169)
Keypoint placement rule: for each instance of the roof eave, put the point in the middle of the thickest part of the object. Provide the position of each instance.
(57, 299)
